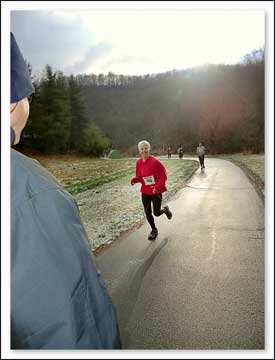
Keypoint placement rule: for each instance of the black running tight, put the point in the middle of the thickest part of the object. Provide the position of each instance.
(147, 200)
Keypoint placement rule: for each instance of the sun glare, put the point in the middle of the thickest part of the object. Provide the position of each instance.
(156, 41)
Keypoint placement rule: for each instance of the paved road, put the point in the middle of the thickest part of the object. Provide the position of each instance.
(200, 285)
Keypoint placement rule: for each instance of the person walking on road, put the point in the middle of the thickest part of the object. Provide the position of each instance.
(201, 153)
(58, 298)
(151, 173)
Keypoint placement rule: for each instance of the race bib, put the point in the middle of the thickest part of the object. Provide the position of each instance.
(149, 180)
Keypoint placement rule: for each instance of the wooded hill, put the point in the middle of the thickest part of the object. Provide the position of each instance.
(220, 105)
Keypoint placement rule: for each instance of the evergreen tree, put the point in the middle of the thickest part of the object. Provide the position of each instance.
(33, 135)
(49, 120)
(79, 118)
(94, 142)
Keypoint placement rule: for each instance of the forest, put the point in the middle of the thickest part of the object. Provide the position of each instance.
(219, 105)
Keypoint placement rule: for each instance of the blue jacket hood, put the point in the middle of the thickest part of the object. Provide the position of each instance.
(21, 84)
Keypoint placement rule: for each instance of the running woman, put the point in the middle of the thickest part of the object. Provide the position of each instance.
(152, 175)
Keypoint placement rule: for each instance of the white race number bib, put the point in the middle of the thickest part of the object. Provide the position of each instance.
(149, 180)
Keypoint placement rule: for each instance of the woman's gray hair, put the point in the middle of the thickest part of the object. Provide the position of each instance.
(142, 143)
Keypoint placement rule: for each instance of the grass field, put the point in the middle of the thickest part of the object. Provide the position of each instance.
(78, 174)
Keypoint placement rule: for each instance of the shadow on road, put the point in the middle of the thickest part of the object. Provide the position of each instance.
(202, 174)
(126, 299)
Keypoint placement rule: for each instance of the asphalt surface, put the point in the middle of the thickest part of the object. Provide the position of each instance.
(200, 284)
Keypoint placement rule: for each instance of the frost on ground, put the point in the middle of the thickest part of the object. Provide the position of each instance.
(110, 209)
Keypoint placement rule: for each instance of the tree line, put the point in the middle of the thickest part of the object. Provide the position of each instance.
(219, 105)
(59, 121)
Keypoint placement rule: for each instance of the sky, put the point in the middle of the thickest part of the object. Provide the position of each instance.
(135, 42)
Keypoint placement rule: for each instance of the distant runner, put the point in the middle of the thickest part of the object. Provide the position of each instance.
(152, 175)
(180, 152)
(169, 152)
(201, 152)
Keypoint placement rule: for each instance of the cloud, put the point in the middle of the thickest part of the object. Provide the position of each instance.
(138, 42)
(45, 39)
(93, 55)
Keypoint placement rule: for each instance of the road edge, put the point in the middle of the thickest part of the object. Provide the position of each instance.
(257, 183)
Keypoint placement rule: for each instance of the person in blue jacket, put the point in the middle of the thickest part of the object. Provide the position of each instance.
(58, 298)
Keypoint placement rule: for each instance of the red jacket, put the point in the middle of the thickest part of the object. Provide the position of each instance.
(152, 176)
